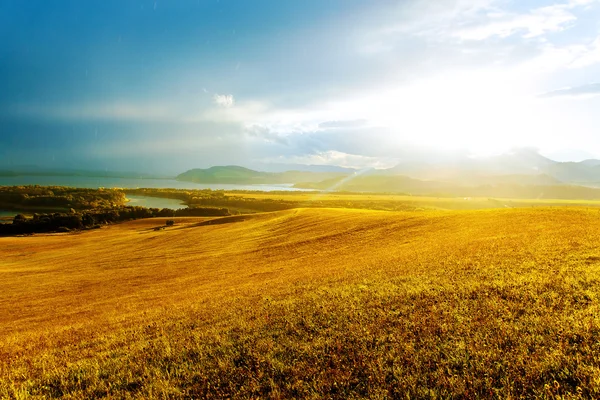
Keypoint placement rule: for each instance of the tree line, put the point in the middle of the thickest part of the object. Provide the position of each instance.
(59, 198)
(93, 219)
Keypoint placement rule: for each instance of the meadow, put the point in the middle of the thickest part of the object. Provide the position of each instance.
(245, 202)
(308, 303)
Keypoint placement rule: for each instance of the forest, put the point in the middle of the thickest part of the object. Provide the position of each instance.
(59, 198)
(64, 209)
(94, 219)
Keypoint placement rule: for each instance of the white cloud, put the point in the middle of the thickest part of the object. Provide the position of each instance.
(224, 100)
(535, 23)
(245, 112)
(553, 58)
(345, 124)
(575, 3)
(589, 55)
(264, 133)
(337, 158)
(433, 21)
(472, 91)
(456, 21)
(585, 91)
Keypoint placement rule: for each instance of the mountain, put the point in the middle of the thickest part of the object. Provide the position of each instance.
(504, 187)
(233, 174)
(377, 183)
(518, 162)
(226, 174)
(519, 172)
(590, 163)
(514, 179)
(280, 167)
(574, 172)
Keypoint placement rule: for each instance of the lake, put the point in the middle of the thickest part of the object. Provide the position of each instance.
(155, 202)
(131, 183)
(141, 201)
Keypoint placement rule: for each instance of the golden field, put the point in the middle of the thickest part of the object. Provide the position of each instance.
(402, 202)
(308, 303)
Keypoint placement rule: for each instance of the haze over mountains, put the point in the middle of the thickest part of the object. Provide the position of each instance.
(525, 167)
(517, 162)
(520, 166)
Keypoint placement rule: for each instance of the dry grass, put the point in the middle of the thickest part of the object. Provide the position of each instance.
(399, 202)
(308, 303)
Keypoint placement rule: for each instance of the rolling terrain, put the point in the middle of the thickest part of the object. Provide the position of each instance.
(309, 303)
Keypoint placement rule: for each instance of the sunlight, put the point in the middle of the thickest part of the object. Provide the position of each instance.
(476, 111)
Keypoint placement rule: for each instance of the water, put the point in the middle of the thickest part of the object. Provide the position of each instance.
(142, 201)
(129, 183)
(132, 183)
(155, 202)
(8, 215)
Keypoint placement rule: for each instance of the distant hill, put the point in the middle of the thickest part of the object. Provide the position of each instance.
(516, 186)
(226, 174)
(519, 162)
(280, 167)
(377, 183)
(233, 174)
(524, 167)
(521, 173)
(515, 179)
(590, 163)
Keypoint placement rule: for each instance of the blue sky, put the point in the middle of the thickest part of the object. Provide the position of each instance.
(172, 85)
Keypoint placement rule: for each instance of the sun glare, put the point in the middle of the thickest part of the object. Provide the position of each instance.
(454, 111)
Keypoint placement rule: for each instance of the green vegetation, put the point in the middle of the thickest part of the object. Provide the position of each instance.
(58, 198)
(63, 209)
(75, 221)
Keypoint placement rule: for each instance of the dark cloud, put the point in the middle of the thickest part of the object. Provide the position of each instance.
(579, 91)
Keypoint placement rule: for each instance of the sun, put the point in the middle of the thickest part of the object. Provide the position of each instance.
(474, 111)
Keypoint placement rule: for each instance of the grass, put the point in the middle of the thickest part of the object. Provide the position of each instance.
(308, 303)
(400, 202)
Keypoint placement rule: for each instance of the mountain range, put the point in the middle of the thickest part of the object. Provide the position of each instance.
(525, 162)
(234, 174)
(521, 166)
(458, 174)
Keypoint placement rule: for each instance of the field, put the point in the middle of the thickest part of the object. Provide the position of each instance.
(247, 202)
(399, 202)
(308, 303)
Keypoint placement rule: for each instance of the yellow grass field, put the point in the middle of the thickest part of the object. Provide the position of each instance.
(400, 202)
(308, 303)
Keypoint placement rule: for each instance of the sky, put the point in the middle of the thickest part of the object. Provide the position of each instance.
(158, 85)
